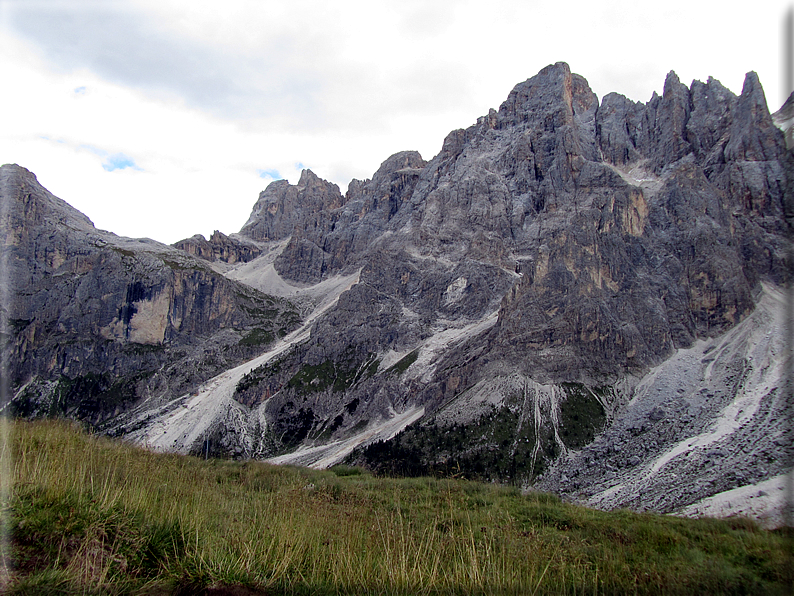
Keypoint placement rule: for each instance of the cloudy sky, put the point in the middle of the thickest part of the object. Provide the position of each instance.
(166, 118)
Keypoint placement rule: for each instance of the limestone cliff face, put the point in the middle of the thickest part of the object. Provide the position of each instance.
(664, 236)
(614, 234)
(219, 247)
(86, 304)
(329, 232)
(636, 228)
(281, 207)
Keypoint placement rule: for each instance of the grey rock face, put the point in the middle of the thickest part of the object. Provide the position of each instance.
(282, 207)
(636, 229)
(617, 122)
(622, 267)
(710, 419)
(219, 247)
(338, 236)
(100, 315)
(398, 304)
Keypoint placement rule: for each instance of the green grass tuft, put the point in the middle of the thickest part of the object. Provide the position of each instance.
(93, 516)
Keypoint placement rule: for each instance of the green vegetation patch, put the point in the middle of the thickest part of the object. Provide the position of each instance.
(257, 337)
(260, 374)
(343, 470)
(185, 265)
(123, 251)
(404, 363)
(336, 375)
(67, 538)
(495, 447)
(271, 314)
(140, 349)
(581, 415)
(92, 516)
(87, 397)
(498, 446)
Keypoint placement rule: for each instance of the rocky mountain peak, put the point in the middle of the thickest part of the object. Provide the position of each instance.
(672, 115)
(282, 206)
(41, 206)
(399, 161)
(100, 320)
(710, 116)
(549, 100)
(754, 136)
(310, 181)
(672, 84)
(340, 234)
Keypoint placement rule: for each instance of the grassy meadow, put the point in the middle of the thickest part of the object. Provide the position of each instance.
(87, 515)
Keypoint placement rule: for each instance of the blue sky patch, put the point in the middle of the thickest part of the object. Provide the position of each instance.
(118, 161)
(299, 166)
(79, 91)
(273, 174)
(111, 163)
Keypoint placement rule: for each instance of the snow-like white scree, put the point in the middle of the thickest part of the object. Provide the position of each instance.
(178, 428)
(759, 342)
(324, 456)
(764, 502)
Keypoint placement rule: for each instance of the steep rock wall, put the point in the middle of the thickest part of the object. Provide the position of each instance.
(86, 304)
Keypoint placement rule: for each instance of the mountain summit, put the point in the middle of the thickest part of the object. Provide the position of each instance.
(577, 295)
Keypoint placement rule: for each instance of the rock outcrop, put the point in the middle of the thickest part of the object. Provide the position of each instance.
(220, 247)
(327, 232)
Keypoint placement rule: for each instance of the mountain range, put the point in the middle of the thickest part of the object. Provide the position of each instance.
(579, 296)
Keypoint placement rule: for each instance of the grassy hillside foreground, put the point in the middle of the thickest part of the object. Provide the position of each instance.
(90, 516)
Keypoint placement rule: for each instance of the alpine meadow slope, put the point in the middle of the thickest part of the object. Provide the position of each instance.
(580, 296)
